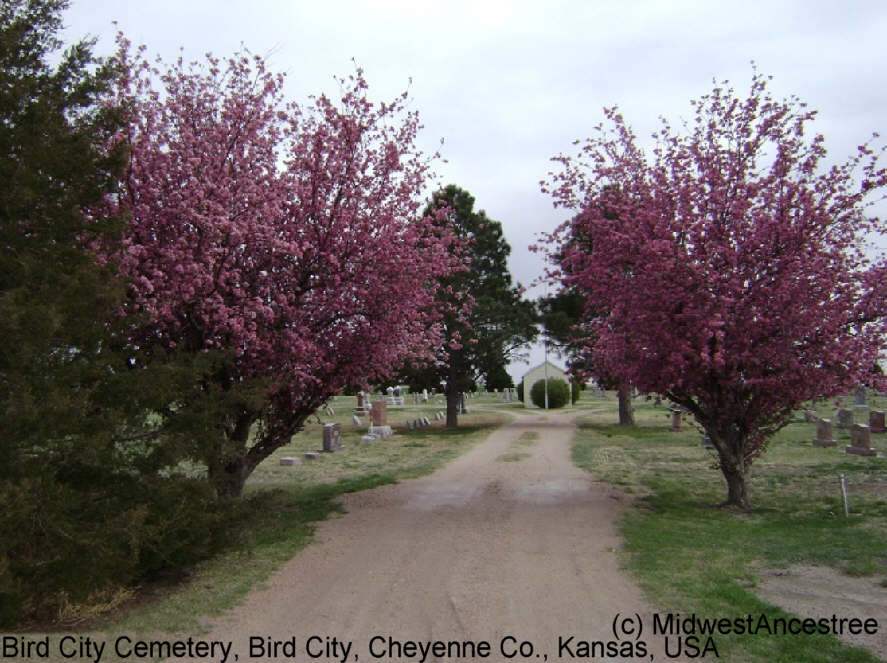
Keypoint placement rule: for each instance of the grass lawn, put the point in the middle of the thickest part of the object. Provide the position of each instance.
(692, 557)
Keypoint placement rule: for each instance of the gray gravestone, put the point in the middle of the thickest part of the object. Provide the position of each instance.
(861, 441)
(860, 395)
(332, 437)
(824, 436)
(844, 418)
(876, 421)
(362, 408)
(379, 413)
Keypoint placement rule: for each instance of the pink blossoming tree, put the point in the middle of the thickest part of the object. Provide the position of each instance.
(284, 242)
(728, 272)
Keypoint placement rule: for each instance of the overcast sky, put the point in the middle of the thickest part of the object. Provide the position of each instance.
(508, 85)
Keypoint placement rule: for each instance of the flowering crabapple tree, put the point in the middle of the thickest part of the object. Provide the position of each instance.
(285, 242)
(729, 271)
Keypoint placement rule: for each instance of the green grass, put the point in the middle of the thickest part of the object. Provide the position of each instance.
(526, 440)
(693, 557)
(512, 457)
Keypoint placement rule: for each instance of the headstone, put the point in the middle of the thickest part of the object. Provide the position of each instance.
(861, 441)
(411, 425)
(425, 421)
(379, 413)
(310, 455)
(810, 415)
(876, 421)
(463, 409)
(332, 437)
(289, 460)
(676, 420)
(860, 395)
(355, 419)
(844, 417)
(383, 432)
(330, 412)
(362, 408)
(366, 439)
(415, 398)
(824, 436)
(706, 441)
(424, 395)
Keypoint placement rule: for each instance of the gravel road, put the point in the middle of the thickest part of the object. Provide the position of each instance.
(518, 557)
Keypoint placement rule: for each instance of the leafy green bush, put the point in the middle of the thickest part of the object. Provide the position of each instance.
(558, 393)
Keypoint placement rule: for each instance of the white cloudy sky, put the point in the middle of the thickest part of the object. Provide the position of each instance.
(507, 85)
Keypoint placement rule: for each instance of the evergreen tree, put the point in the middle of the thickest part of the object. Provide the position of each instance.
(488, 321)
(78, 500)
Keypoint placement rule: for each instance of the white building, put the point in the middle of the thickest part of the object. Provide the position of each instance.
(540, 372)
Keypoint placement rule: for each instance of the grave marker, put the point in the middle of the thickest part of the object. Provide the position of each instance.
(362, 408)
(876, 421)
(824, 436)
(379, 413)
(676, 420)
(861, 441)
(844, 418)
(332, 437)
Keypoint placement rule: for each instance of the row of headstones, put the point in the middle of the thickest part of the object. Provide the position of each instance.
(846, 419)
(332, 432)
(509, 395)
(393, 398)
(860, 437)
(860, 434)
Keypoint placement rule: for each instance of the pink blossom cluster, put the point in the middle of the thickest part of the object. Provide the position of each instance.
(729, 271)
(289, 235)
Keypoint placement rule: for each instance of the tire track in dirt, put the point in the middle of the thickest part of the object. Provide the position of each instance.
(479, 550)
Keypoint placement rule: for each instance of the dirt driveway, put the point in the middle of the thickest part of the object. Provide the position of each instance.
(518, 556)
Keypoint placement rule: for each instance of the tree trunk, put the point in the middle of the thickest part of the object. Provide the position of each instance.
(453, 404)
(735, 472)
(737, 491)
(626, 411)
(228, 466)
(228, 479)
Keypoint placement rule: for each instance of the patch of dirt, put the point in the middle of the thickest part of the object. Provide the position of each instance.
(478, 551)
(817, 592)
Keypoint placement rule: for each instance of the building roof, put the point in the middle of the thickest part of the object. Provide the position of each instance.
(536, 368)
